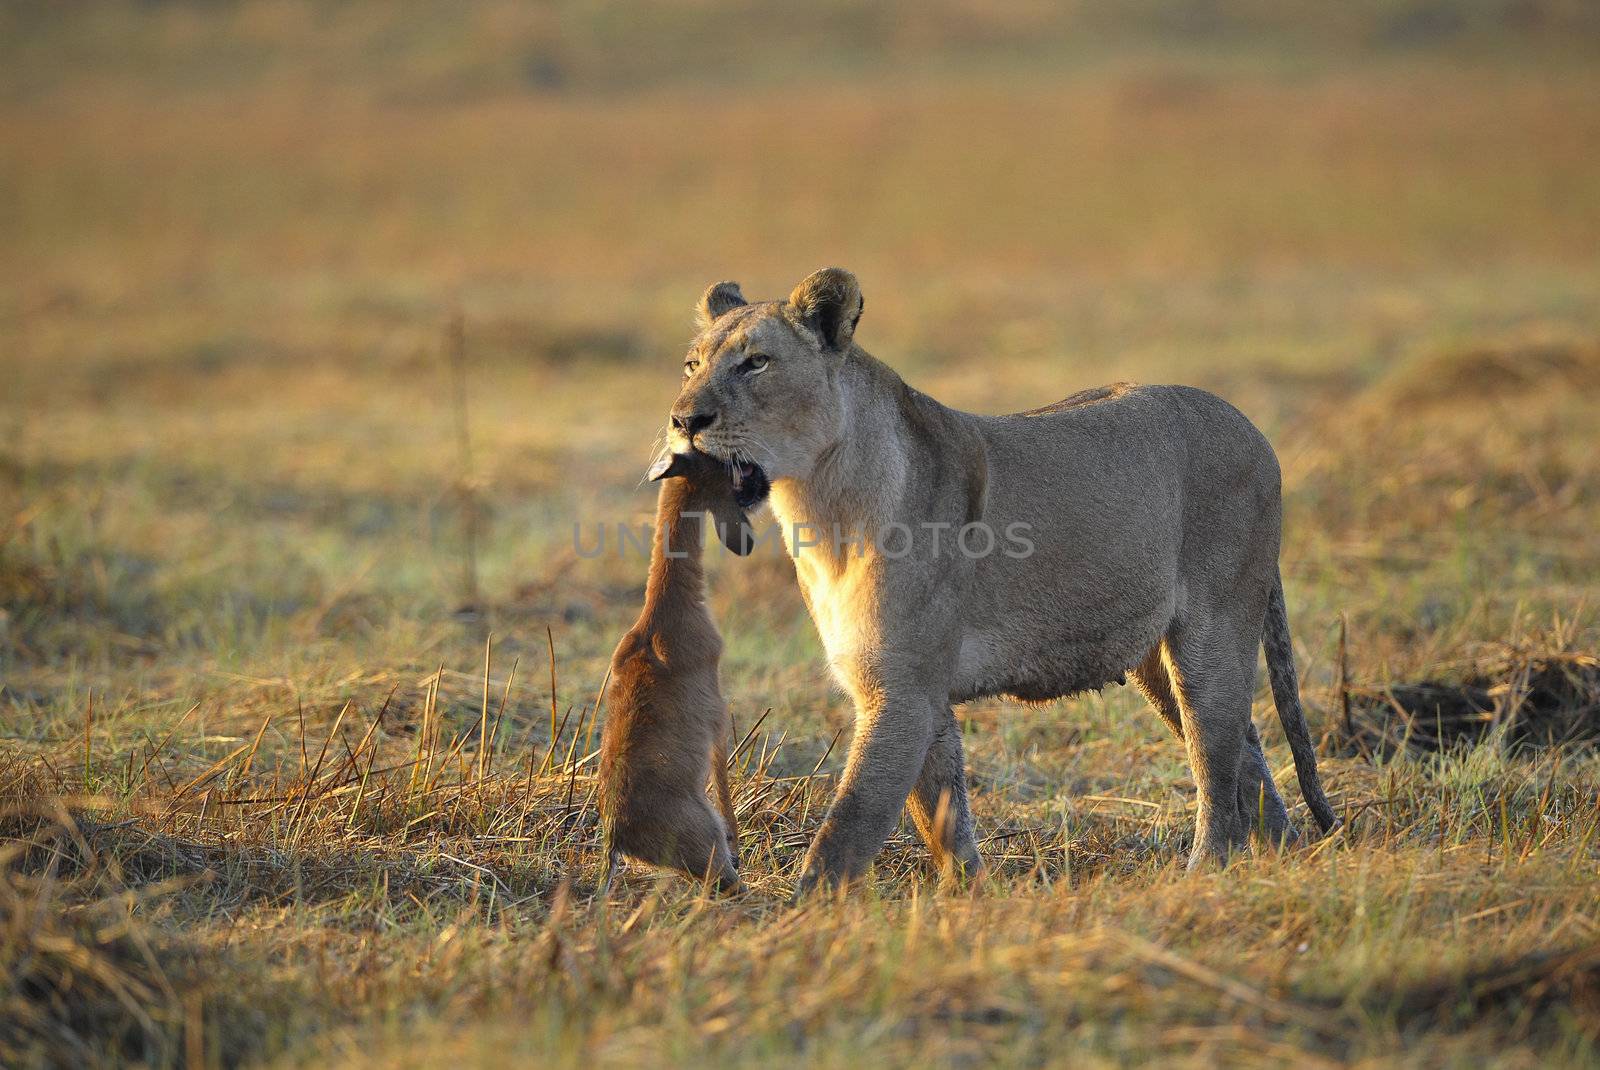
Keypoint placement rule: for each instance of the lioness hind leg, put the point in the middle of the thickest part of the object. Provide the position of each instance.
(1151, 678)
(1259, 804)
(1214, 691)
(938, 802)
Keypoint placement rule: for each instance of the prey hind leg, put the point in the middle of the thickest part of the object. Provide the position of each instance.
(681, 832)
(719, 780)
(697, 844)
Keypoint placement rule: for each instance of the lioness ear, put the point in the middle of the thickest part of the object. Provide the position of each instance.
(719, 298)
(829, 303)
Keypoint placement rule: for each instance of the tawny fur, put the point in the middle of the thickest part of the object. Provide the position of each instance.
(666, 730)
(1154, 514)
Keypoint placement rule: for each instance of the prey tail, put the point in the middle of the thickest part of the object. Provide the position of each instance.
(1286, 696)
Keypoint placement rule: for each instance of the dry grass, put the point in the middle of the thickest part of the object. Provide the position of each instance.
(1510, 697)
(252, 814)
(349, 902)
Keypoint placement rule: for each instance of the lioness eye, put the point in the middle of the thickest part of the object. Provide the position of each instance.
(689, 367)
(754, 363)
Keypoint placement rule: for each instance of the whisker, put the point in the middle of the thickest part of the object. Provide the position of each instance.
(756, 440)
(658, 450)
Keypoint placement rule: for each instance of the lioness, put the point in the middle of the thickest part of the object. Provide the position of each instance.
(1154, 515)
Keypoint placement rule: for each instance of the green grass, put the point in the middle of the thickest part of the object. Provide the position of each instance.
(231, 519)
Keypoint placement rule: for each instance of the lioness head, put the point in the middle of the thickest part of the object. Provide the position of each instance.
(761, 381)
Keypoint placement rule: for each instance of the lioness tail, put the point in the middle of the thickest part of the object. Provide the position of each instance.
(1286, 696)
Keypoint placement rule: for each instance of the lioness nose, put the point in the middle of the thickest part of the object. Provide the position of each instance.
(690, 422)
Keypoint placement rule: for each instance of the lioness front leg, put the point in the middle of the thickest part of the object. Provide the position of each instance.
(886, 758)
(938, 802)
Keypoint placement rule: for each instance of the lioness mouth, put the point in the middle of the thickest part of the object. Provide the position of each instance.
(750, 484)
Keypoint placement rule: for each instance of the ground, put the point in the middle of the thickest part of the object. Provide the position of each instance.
(298, 659)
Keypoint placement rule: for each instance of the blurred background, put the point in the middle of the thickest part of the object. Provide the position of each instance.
(236, 236)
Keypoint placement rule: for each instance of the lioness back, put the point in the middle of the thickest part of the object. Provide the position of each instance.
(1136, 498)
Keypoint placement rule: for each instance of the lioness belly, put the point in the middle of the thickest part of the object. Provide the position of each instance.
(1053, 660)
